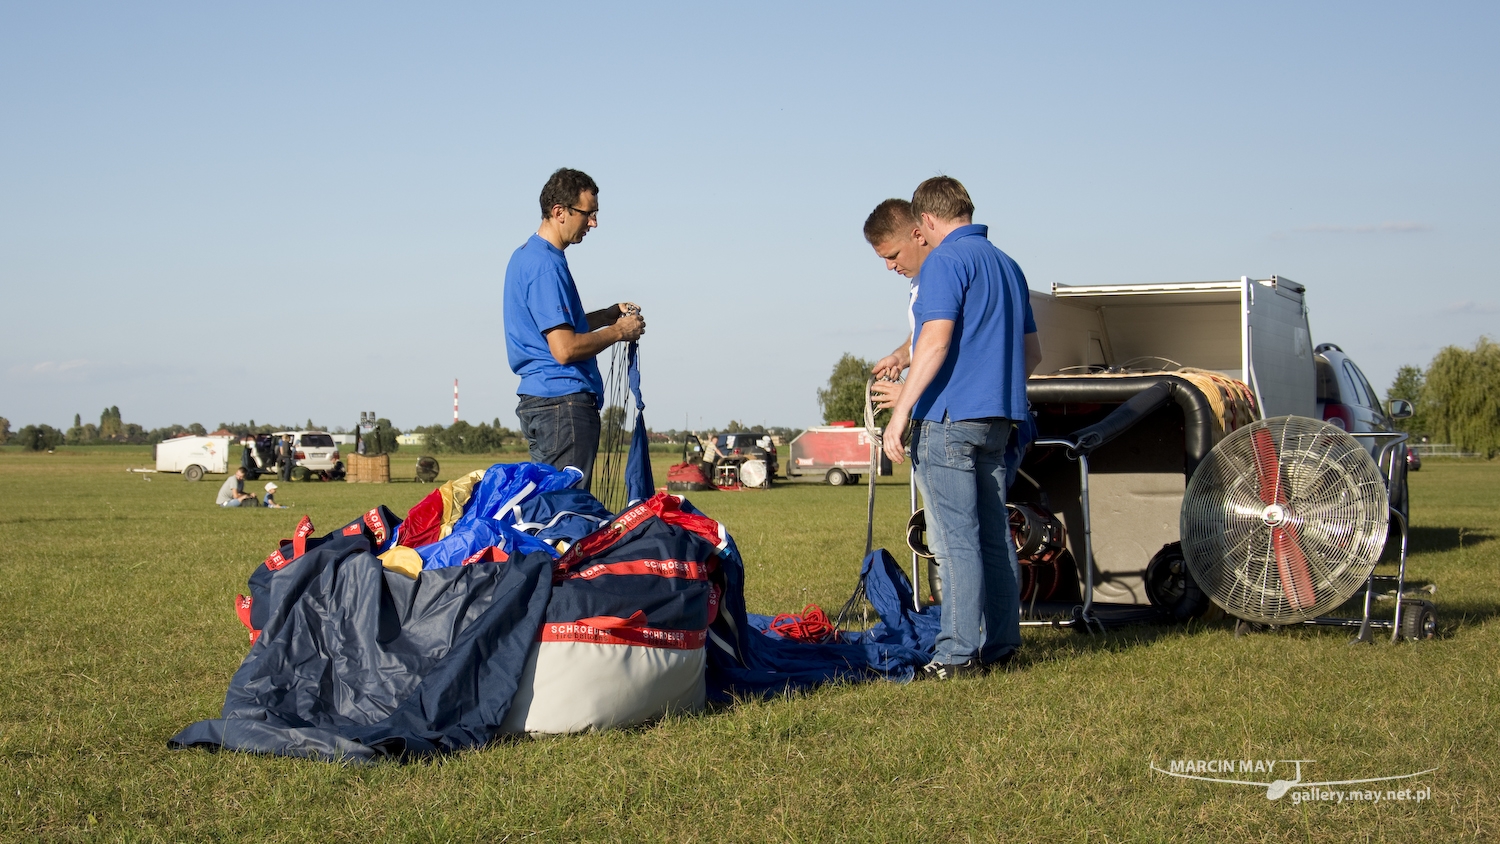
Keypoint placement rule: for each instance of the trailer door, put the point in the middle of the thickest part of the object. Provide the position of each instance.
(1278, 348)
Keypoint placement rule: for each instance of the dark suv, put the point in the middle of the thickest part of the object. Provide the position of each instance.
(1346, 399)
(751, 446)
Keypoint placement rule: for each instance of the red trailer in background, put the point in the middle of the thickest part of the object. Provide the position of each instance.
(837, 454)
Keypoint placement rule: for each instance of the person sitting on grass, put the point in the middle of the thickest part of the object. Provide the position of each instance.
(232, 493)
(270, 499)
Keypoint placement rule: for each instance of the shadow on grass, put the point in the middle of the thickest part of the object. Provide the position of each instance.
(1063, 644)
(1436, 539)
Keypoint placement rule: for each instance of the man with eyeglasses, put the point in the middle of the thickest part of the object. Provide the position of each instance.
(550, 340)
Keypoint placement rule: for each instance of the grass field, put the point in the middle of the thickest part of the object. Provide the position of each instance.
(117, 629)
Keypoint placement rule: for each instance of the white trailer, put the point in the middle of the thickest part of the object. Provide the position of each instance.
(1100, 343)
(1251, 330)
(193, 456)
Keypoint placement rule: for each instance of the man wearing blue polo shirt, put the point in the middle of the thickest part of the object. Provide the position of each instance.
(550, 341)
(973, 344)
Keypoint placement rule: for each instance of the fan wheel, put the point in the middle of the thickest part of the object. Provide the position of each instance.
(1284, 520)
(1418, 620)
(1170, 586)
(427, 469)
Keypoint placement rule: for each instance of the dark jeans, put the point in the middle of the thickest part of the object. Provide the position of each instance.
(562, 431)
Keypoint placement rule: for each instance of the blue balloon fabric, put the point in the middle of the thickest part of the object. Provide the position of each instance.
(356, 662)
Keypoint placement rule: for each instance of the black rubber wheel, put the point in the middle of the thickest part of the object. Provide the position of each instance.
(854, 479)
(300, 473)
(1418, 620)
(836, 477)
(1170, 586)
(193, 473)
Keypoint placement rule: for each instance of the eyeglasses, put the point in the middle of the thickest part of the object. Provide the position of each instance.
(592, 215)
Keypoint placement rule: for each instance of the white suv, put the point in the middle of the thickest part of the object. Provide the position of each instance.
(316, 450)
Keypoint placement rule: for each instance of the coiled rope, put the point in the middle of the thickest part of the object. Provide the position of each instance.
(811, 626)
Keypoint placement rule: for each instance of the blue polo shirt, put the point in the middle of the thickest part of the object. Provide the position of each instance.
(968, 280)
(540, 295)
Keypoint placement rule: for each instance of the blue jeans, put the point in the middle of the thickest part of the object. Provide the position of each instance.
(960, 469)
(562, 431)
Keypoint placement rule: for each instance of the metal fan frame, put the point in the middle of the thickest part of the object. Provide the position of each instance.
(1285, 520)
(1366, 622)
(1385, 461)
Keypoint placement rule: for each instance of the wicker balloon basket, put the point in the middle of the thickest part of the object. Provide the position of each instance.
(368, 470)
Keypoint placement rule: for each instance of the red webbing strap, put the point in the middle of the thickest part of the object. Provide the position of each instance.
(242, 609)
(278, 560)
(684, 569)
(299, 537)
(377, 525)
(590, 546)
(663, 506)
(610, 630)
(492, 554)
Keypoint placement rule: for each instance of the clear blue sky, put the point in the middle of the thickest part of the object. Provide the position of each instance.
(214, 212)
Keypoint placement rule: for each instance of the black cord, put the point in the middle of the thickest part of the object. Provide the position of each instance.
(609, 468)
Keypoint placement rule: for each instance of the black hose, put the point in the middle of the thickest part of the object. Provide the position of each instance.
(1153, 392)
(1122, 418)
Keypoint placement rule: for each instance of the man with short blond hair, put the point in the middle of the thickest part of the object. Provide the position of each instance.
(973, 344)
(894, 233)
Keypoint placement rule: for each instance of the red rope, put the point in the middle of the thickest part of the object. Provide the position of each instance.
(812, 626)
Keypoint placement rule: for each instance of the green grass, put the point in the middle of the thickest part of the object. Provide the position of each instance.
(116, 630)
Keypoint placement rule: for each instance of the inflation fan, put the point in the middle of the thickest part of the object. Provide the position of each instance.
(1284, 520)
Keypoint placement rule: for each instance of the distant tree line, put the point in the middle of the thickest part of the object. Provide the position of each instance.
(111, 430)
(464, 438)
(672, 435)
(245, 429)
(491, 437)
(114, 430)
(459, 438)
(1457, 398)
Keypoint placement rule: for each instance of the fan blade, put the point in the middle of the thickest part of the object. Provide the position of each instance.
(1291, 567)
(1267, 467)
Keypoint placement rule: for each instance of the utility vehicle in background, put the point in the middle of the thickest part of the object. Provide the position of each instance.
(193, 456)
(836, 454)
(316, 454)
